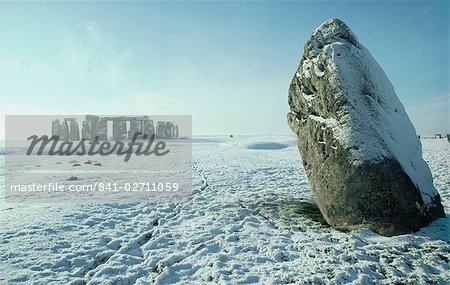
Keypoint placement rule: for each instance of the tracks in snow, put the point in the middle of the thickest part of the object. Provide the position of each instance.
(201, 172)
(137, 243)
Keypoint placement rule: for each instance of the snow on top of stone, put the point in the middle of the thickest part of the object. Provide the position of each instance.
(380, 127)
(334, 30)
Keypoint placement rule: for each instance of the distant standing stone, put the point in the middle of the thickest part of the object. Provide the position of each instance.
(74, 133)
(149, 129)
(161, 129)
(135, 127)
(64, 131)
(56, 126)
(86, 131)
(102, 130)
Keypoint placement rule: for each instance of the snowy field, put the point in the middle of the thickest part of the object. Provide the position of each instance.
(251, 219)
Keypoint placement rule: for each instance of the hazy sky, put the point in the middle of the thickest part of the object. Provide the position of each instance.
(228, 64)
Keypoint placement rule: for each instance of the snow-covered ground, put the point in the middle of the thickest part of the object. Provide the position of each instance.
(250, 220)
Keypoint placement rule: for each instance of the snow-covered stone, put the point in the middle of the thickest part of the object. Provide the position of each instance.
(360, 151)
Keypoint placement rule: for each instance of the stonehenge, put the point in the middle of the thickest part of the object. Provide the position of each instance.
(123, 128)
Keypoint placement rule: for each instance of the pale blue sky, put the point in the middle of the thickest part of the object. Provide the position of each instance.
(228, 64)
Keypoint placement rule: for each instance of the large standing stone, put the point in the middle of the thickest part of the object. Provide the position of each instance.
(135, 127)
(74, 132)
(149, 129)
(169, 130)
(102, 130)
(119, 129)
(89, 127)
(359, 149)
(64, 131)
(176, 131)
(86, 131)
(56, 128)
(92, 123)
(161, 129)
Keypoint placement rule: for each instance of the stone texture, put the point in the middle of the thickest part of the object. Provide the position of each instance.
(89, 127)
(92, 123)
(177, 132)
(86, 131)
(149, 129)
(74, 132)
(56, 126)
(170, 128)
(135, 127)
(359, 149)
(102, 130)
(119, 129)
(64, 131)
(161, 129)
